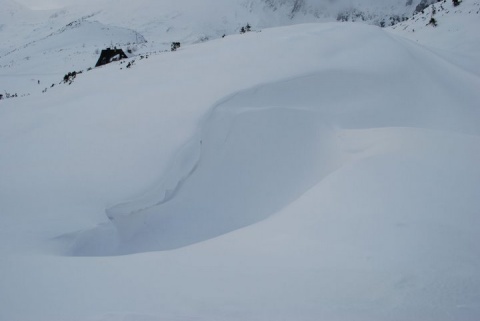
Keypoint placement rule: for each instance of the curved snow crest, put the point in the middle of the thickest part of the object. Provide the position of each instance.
(261, 149)
(250, 162)
(184, 165)
(248, 170)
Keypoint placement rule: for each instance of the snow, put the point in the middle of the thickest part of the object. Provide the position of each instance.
(452, 38)
(309, 172)
(27, 35)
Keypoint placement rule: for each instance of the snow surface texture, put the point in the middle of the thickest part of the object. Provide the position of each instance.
(312, 172)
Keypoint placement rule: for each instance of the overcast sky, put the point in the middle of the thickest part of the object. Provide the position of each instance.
(55, 4)
(51, 4)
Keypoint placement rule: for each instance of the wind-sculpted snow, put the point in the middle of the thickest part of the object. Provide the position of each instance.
(313, 172)
(246, 165)
(261, 149)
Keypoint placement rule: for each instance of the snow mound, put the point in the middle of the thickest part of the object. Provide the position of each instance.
(260, 149)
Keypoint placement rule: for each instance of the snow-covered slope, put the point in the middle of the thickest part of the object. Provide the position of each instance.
(282, 136)
(310, 172)
(453, 38)
(23, 30)
(11, 14)
(68, 47)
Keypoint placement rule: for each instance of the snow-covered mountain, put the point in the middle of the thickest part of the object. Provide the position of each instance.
(26, 35)
(190, 21)
(319, 171)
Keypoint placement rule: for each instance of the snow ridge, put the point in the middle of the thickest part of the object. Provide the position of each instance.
(243, 155)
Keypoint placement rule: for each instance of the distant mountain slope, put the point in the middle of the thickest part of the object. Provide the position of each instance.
(68, 46)
(11, 13)
(190, 21)
(34, 43)
(455, 35)
(11, 10)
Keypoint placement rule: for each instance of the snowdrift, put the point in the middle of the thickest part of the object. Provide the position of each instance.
(320, 171)
(262, 148)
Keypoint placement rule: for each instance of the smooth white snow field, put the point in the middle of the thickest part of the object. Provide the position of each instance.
(323, 172)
